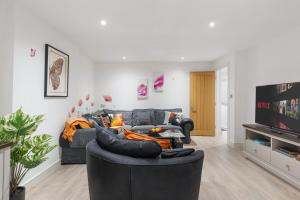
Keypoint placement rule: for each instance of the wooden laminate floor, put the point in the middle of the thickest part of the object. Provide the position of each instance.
(227, 175)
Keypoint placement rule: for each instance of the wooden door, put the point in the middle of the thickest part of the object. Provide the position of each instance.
(202, 102)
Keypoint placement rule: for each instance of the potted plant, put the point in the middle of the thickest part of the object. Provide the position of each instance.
(28, 150)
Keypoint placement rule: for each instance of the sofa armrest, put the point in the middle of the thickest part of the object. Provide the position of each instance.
(81, 138)
(187, 123)
(187, 126)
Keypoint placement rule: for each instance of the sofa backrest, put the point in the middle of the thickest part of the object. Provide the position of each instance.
(127, 114)
(143, 117)
(139, 117)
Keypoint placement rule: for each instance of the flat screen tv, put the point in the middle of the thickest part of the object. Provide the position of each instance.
(278, 107)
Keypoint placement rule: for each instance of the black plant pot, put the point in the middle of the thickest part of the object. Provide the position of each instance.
(19, 194)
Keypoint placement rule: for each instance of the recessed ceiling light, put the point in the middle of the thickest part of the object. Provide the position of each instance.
(124, 57)
(212, 24)
(103, 22)
(182, 58)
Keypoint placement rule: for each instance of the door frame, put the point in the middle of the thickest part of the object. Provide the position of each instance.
(218, 104)
(230, 108)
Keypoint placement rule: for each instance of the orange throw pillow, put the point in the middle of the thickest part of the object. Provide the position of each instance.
(117, 120)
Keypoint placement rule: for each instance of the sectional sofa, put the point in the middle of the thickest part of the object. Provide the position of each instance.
(137, 119)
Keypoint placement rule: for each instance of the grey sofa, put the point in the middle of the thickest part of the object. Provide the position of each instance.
(112, 176)
(138, 119)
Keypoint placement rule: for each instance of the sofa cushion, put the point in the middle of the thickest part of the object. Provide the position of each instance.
(143, 117)
(159, 116)
(134, 148)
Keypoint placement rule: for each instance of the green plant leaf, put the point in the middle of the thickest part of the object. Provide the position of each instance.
(28, 151)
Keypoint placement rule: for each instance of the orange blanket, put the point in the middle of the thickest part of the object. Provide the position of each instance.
(71, 127)
(164, 143)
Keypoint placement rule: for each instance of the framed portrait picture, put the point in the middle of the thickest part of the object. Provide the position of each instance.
(56, 72)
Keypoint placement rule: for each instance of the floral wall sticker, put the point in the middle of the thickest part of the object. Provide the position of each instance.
(107, 98)
(142, 89)
(84, 105)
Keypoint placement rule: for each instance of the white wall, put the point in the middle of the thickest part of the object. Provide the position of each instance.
(276, 61)
(120, 81)
(6, 55)
(28, 79)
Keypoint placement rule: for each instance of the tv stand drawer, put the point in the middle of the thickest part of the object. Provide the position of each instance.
(262, 152)
(289, 165)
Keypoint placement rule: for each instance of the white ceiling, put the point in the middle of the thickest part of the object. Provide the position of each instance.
(165, 30)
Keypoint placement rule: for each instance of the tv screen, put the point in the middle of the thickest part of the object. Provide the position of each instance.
(277, 106)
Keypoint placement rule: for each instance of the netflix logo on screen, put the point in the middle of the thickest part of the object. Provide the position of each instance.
(264, 105)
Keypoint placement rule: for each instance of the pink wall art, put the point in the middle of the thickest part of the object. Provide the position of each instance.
(158, 82)
(142, 89)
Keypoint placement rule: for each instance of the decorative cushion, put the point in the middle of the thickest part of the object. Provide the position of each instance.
(173, 153)
(159, 115)
(94, 118)
(134, 148)
(102, 118)
(106, 121)
(143, 117)
(175, 118)
(167, 118)
(116, 120)
(127, 115)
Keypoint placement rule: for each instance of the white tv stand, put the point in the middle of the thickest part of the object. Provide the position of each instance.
(279, 164)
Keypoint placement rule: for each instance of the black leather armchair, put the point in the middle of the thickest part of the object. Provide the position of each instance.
(114, 177)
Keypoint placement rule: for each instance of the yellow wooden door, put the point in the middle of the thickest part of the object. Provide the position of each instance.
(202, 102)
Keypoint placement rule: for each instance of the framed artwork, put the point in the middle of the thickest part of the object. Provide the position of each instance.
(56, 72)
(142, 89)
(158, 82)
